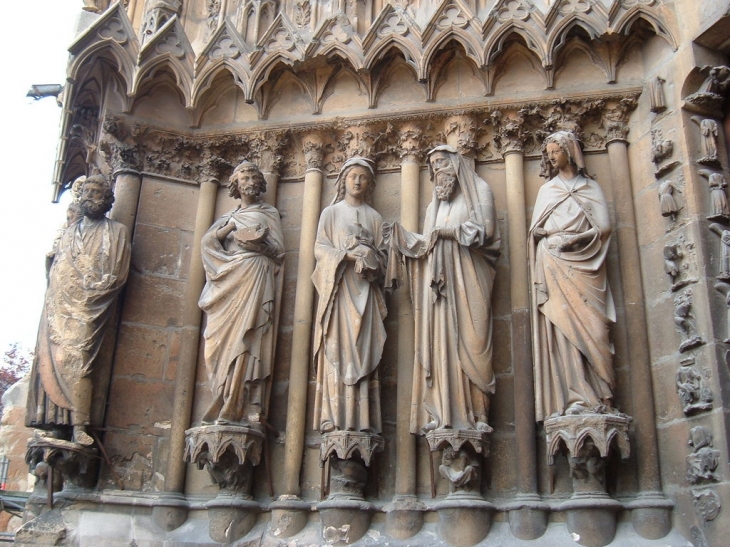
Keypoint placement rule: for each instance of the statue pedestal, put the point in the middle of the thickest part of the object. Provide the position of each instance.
(345, 514)
(528, 516)
(464, 516)
(230, 517)
(404, 517)
(588, 438)
(344, 521)
(289, 515)
(464, 519)
(651, 515)
(229, 452)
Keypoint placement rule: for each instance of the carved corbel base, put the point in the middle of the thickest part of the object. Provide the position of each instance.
(76, 463)
(588, 438)
(229, 452)
(461, 464)
(345, 457)
(705, 103)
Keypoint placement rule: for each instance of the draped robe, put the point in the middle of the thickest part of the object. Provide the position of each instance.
(89, 269)
(572, 302)
(349, 331)
(239, 299)
(451, 291)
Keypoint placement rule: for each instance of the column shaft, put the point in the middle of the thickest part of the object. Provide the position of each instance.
(185, 378)
(524, 389)
(302, 333)
(642, 393)
(405, 477)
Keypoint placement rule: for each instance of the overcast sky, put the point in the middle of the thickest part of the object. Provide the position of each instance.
(35, 46)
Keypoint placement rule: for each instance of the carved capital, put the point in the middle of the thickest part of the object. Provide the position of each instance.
(266, 151)
(122, 157)
(464, 132)
(313, 150)
(411, 143)
(511, 135)
(615, 119)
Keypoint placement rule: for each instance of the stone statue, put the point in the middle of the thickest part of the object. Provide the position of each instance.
(709, 132)
(243, 254)
(451, 273)
(656, 94)
(571, 299)
(89, 269)
(349, 333)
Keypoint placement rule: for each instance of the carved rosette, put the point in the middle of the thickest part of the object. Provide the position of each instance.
(229, 452)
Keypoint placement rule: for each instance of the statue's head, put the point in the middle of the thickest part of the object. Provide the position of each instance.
(247, 179)
(443, 167)
(568, 144)
(356, 164)
(96, 196)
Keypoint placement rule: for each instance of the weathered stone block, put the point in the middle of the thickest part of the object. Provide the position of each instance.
(153, 301)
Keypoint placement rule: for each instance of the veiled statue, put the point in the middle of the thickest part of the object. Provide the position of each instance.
(451, 269)
(243, 254)
(89, 268)
(349, 333)
(572, 306)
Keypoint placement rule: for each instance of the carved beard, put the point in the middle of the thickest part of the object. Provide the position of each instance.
(445, 183)
(250, 190)
(94, 209)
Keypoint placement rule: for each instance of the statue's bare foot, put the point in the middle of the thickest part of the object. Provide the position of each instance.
(326, 427)
(484, 427)
(82, 437)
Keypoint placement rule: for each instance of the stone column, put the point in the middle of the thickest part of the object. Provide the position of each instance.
(405, 514)
(651, 511)
(171, 510)
(289, 513)
(528, 516)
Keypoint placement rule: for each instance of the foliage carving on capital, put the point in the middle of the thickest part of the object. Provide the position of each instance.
(313, 150)
(266, 150)
(411, 145)
(511, 135)
(465, 132)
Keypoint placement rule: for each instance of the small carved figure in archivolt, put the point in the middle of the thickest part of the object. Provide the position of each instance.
(724, 234)
(656, 94)
(661, 148)
(704, 459)
(692, 392)
(668, 200)
(708, 132)
(683, 320)
(718, 199)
